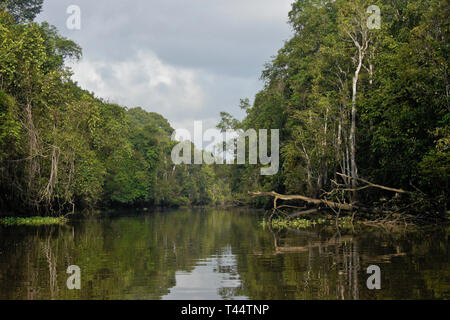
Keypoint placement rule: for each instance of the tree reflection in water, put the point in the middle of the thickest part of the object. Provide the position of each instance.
(218, 254)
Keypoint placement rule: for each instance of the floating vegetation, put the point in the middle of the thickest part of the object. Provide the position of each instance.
(33, 221)
(280, 223)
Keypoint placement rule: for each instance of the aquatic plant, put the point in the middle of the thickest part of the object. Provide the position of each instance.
(32, 221)
(299, 223)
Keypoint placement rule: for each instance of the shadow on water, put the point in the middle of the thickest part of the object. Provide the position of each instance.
(218, 254)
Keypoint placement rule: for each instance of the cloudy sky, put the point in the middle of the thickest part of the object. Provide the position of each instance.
(185, 59)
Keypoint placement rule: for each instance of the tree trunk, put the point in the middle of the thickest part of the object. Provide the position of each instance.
(354, 169)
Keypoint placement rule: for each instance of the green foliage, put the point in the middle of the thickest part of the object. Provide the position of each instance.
(296, 223)
(402, 104)
(299, 223)
(22, 10)
(61, 148)
(9, 125)
(33, 221)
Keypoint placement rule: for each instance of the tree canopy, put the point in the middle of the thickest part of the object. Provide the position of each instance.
(22, 10)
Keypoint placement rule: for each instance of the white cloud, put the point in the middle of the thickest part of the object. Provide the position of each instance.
(187, 60)
(182, 95)
(143, 81)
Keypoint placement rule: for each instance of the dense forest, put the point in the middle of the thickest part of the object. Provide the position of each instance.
(63, 149)
(365, 102)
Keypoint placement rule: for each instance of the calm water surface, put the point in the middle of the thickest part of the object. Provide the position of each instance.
(218, 254)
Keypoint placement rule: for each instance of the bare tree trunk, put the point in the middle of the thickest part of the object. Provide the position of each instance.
(324, 175)
(359, 34)
(354, 169)
(347, 159)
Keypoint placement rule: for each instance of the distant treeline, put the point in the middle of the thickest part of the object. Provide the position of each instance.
(63, 149)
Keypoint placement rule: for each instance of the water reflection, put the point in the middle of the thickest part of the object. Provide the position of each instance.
(213, 278)
(218, 254)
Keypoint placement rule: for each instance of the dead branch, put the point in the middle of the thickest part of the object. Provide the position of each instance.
(370, 184)
(327, 203)
(337, 205)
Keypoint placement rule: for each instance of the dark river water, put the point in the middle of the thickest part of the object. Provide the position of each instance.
(218, 254)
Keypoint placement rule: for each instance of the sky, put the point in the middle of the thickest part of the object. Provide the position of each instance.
(187, 60)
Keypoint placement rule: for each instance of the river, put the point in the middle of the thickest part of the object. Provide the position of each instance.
(218, 254)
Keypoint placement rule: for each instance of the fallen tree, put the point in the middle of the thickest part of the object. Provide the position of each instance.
(337, 200)
(278, 196)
